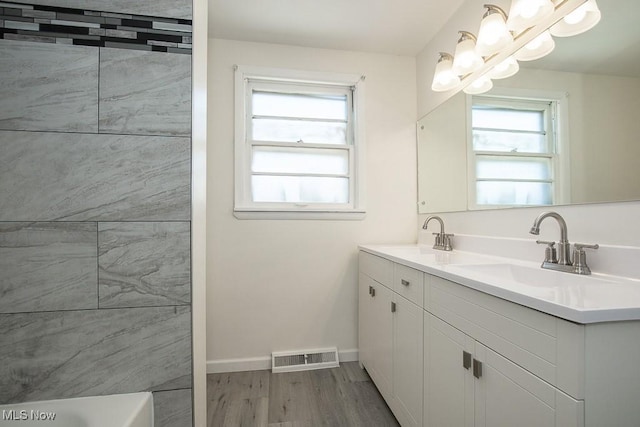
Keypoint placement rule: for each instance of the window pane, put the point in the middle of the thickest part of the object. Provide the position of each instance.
(299, 130)
(297, 105)
(504, 118)
(509, 142)
(496, 167)
(300, 160)
(299, 189)
(513, 193)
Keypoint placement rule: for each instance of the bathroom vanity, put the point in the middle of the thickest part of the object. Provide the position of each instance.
(462, 339)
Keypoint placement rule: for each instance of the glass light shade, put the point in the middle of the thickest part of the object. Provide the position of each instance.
(527, 13)
(536, 48)
(444, 78)
(580, 20)
(466, 60)
(493, 35)
(506, 68)
(481, 85)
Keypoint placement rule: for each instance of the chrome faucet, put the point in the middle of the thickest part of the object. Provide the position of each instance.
(564, 247)
(442, 240)
(560, 260)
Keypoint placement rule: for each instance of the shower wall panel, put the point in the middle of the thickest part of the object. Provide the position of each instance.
(95, 201)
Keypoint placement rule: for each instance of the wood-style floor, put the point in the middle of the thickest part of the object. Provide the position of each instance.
(343, 396)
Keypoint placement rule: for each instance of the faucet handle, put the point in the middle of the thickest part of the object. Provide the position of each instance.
(581, 246)
(447, 242)
(550, 254)
(580, 257)
(438, 242)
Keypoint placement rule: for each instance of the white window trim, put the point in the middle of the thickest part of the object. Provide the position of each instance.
(243, 208)
(562, 169)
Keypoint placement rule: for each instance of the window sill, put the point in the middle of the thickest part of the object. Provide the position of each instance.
(352, 215)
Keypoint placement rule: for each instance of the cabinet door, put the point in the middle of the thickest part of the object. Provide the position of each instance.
(506, 395)
(381, 329)
(448, 381)
(408, 362)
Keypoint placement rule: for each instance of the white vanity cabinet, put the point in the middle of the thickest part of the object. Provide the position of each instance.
(390, 334)
(485, 361)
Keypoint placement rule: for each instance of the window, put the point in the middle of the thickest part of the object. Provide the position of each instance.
(298, 144)
(514, 152)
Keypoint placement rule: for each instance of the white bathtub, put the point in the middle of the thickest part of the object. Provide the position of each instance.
(118, 410)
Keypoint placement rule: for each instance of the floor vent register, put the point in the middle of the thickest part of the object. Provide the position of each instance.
(290, 361)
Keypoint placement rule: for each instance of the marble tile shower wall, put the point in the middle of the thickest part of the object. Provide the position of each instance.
(93, 27)
(95, 155)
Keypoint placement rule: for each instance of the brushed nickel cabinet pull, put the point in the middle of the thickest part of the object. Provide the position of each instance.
(466, 360)
(477, 368)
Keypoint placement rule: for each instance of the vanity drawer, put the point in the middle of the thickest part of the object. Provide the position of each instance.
(409, 283)
(378, 268)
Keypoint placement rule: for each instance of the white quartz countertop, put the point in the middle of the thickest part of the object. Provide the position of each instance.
(580, 299)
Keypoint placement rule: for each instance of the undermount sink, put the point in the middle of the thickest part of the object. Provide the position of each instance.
(529, 276)
(578, 291)
(428, 255)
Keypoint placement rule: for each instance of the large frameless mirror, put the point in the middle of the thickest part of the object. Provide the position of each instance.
(563, 130)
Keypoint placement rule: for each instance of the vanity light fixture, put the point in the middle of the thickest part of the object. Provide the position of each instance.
(478, 86)
(500, 32)
(506, 68)
(444, 78)
(528, 13)
(580, 20)
(493, 35)
(466, 60)
(536, 48)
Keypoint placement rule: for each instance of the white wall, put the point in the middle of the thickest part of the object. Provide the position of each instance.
(283, 285)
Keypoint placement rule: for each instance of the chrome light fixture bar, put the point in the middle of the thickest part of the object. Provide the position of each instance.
(533, 33)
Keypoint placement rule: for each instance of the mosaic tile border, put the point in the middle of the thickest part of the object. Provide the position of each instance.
(50, 24)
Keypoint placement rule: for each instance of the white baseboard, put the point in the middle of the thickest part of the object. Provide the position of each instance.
(261, 363)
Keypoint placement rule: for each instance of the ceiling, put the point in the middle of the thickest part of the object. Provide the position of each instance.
(404, 27)
(400, 27)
